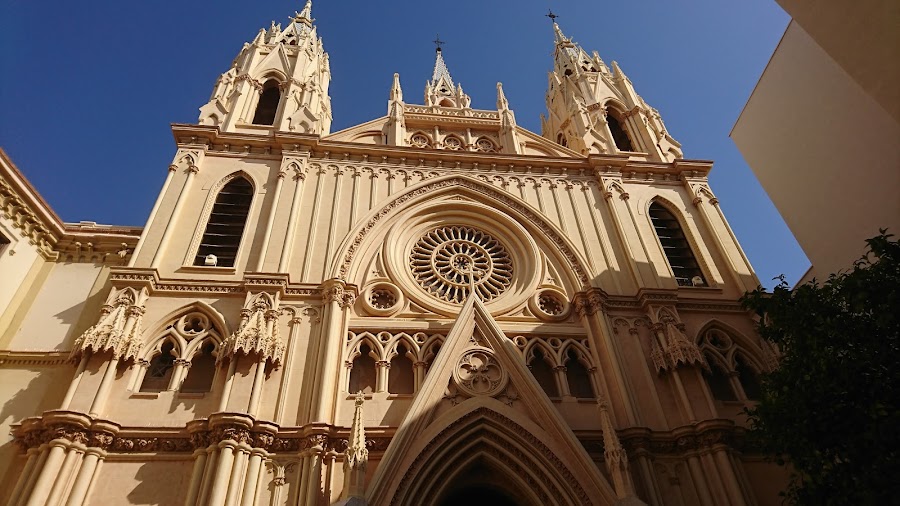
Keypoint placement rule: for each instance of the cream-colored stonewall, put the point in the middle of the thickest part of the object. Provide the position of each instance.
(431, 306)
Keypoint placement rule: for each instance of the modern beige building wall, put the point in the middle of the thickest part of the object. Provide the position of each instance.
(822, 125)
(436, 303)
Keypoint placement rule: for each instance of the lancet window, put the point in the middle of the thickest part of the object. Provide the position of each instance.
(578, 376)
(182, 358)
(733, 375)
(362, 371)
(401, 376)
(676, 247)
(225, 227)
(4, 243)
(562, 367)
(542, 369)
(392, 362)
(267, 107)
(619, 134)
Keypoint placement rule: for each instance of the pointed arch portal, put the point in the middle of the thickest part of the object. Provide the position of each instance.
(485, 452)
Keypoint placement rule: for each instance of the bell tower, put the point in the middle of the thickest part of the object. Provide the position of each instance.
(593, 109)
(279, 81)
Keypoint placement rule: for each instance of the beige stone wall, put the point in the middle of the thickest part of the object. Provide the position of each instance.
(824, 150)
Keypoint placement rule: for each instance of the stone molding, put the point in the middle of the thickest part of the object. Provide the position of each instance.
(55, 240)
(326, 439)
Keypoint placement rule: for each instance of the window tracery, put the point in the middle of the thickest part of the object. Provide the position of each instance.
(448, 261)
(733, 374)
(453, 143)
(183, 357)
(393, 362)
(420, 140)
(485, 145)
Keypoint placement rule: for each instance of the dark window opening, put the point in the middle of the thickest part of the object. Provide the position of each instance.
(718, 381)
(203, 369)
(749, 380)
(159, 372)
(543, 373)
(578, 377)
(561, 139)
(225, 227)
(268, 104)
(4, 242)
(400, 375)
(362, 374)
(676, 247)
(620, 136)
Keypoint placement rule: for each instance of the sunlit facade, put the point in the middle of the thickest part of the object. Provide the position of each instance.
(432, 307)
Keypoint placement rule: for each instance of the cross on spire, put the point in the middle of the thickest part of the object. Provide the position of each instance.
(438, 42)
(551, 15)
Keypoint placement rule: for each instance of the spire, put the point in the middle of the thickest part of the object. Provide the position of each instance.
(502, 103)
(356, 456)
(396, 92)
(559, 36)
(305, 14)
(440, 68)
(440, 91)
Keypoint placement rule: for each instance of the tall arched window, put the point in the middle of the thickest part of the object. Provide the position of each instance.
(225, 227)
(268, 104)
(619, 135)
(401, 379)
(362, 373)
(676, 247)
(543, 372)
(159, 372)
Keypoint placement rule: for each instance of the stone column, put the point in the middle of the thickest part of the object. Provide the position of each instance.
(86, 474)
(337, 297)
(176, 211)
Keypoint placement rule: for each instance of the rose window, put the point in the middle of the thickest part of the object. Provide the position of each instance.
(550, 304)
(448, 262)
(382, 299)
(452, 143)
(419, 141)
(484, 145)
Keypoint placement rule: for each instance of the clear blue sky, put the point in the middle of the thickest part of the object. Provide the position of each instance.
(88, 89)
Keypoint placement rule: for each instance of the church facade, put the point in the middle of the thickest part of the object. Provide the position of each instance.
(432, 307)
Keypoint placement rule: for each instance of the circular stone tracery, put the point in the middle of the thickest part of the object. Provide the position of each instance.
(448, 261)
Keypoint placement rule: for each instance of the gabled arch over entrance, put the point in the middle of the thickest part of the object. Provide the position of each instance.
(522, 468)
(479, 405)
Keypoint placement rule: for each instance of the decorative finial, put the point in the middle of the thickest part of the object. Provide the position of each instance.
(551, 15)
(438, 42)
(306, 13)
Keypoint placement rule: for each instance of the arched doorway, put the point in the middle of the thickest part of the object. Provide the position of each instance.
(481, 485)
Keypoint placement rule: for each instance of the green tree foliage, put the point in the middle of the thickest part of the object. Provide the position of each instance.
(830, 410)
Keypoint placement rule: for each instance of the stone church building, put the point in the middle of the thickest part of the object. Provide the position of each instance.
(435, 307)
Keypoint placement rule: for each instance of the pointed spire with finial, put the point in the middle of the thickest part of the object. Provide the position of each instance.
(502, 103)
(305, 14)
(396, 91)
(440, 91)
(356, 456)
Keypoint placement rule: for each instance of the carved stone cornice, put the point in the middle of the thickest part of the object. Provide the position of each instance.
(39, 225)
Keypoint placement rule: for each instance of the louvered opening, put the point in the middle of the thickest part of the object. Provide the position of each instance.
(226, 224)
(676, 247)
(620, 136)
(268, 104)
